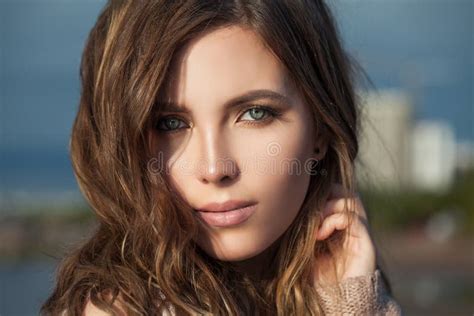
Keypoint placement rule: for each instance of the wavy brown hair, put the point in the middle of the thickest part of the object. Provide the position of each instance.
(143, 251)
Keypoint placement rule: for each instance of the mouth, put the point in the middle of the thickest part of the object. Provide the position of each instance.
(229, 210)
(229, 217)
(227, 206)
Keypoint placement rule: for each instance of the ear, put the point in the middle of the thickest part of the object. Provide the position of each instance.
(320, 146)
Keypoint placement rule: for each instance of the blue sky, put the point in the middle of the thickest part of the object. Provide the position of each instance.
(430, 41)
(424, 46)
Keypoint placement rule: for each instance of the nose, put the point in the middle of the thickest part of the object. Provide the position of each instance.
(216, 164)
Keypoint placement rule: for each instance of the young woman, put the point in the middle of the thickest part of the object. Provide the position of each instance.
(215, 141)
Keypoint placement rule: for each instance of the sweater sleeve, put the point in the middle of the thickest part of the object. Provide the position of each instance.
(362, 295)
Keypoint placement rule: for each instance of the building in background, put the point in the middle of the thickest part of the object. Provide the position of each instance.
(386, 125)
(433, 153)
(398, 152)
(464, 156)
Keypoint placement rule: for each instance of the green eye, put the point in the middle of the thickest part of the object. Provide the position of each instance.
(170, 124)
(256, 113)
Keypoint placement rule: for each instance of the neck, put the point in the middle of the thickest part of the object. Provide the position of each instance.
(258, 267)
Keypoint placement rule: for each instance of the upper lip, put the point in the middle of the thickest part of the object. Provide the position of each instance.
(226, 206)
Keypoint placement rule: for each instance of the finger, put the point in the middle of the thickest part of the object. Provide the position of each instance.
(338, 221)
(337, 191)
(333, 206)
(337, 206)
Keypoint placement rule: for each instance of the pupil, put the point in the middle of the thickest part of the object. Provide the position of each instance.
(172, 123)
(256, 113)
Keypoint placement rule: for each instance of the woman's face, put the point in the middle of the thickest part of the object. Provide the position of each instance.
(216, 148)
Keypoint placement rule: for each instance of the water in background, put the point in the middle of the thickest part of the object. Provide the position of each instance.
(24, 287)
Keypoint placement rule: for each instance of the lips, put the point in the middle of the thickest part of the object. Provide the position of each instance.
(226, 206)
(227, 214)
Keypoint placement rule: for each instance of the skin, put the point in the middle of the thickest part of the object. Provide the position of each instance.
(213, 154)
(211, 70)
(358, 255)
(219, 154)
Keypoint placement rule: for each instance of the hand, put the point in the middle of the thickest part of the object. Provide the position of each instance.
(358, 249)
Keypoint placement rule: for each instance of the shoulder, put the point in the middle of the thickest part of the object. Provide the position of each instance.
(118, 307)
(360, 295)
(92, 310)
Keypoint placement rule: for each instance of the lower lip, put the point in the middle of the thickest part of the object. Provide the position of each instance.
(228, 218)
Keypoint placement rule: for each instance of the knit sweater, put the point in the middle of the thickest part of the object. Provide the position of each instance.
(362, 295)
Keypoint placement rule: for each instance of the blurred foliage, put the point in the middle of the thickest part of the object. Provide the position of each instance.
(43, 232)
(396, 210)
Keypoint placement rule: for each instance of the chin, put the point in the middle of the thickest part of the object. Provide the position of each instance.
(233, 249)
(233, 255)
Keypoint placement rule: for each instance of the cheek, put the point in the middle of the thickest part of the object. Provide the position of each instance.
(279, 181)
(282, 190)
(280, 160)
(178, 173)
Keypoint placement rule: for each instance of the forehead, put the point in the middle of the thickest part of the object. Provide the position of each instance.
(222, 64)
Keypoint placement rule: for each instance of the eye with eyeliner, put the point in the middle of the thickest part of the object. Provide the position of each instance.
(270, 113)
(162, 119)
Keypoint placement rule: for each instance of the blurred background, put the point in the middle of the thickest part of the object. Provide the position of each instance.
(416, 165)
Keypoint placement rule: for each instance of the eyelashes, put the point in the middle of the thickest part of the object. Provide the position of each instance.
(268, 114)
(260, 115)
(169, 124)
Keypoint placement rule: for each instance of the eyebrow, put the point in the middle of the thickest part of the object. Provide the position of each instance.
(252, 95)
